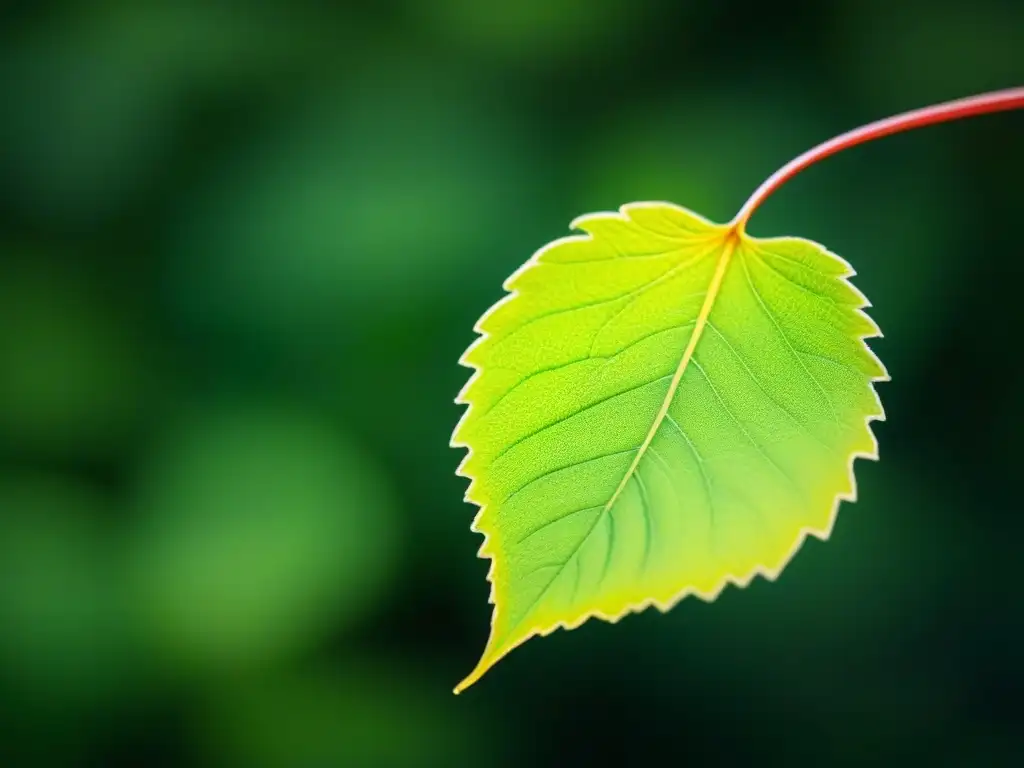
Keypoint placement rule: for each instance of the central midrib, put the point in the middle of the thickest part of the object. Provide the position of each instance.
(731, 239)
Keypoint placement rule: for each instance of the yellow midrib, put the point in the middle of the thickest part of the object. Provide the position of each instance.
(731, 239)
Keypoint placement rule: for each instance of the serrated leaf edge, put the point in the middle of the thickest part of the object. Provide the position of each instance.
(489, 658)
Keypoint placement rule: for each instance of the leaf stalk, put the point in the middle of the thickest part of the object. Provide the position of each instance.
(994, 101)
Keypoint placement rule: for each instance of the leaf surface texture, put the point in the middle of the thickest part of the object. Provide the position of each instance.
(660, 406)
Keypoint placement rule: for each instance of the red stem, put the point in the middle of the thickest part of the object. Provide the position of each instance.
(995, 101)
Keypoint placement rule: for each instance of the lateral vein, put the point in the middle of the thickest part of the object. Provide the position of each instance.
(698, 328)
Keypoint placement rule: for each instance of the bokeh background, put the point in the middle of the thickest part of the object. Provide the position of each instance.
(242, 247)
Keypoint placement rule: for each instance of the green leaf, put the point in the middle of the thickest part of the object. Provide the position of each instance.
(662, 406)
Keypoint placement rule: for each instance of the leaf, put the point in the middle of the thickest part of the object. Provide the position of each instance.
(661, 406)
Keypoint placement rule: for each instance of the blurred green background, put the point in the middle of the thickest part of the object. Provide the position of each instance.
(242, 247)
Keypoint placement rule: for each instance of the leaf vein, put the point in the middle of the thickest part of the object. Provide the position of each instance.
(705, 478)
(578, 412)
(583, 360)
(562, 469)
(533, 375)
(796, 356)
(646, 511)
(750, 438)
(610, 300)
(547, 523)
(796, 262)
(754, 378)
(832, 360)
(610, 515)
(759, 254)
(628, 304)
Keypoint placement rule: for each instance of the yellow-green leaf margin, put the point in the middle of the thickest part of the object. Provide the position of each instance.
(660, 406)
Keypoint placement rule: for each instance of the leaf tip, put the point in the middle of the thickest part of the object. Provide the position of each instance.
(468, 681)
(488, 660)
